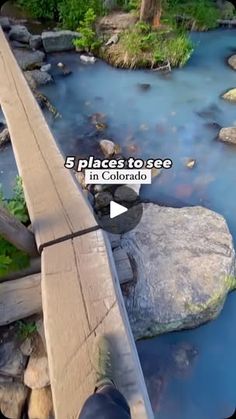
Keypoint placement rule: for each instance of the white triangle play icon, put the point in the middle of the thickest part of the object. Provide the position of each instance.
(116, 209)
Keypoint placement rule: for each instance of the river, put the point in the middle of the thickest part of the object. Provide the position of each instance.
(178, 116)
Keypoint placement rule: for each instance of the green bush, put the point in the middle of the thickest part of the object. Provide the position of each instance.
(72, 12)
(26, 329)
(88, 41)
(197, 15)
(12, 259)
(41, 9)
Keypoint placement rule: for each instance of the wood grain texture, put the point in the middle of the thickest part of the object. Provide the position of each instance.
(54, 199)
(80, 289)
(82, 298)
(20, 298)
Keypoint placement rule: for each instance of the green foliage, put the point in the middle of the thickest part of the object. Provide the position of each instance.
(42, 9)
(12, 259)
(88, 41)
(72, 12)
(68, 12)
(146, 47)
(197, 15)
(26, 329)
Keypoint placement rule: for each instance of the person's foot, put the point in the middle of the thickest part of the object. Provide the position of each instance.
(102, 362)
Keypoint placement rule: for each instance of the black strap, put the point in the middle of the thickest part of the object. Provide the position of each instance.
(68, 237)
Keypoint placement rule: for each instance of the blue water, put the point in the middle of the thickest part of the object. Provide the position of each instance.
(179, 118)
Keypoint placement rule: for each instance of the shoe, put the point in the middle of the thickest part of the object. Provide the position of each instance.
(102, 362)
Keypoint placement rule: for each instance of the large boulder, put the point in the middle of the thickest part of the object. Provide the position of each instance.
(185, 264)
(35, 41)
(29, 60)
(59, 41)
(19, 33)
(230, 95)
(228, 135)
(232, 62)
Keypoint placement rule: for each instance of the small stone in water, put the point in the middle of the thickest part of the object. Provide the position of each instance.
(143, 127)
(60, 65)
(191, 163)
(46, 67)
(109, 148)
(144, 86)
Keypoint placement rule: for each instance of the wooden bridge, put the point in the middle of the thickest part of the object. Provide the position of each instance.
(81, 294)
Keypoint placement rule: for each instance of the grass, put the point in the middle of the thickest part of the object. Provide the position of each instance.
(141, 47)
(26, 329)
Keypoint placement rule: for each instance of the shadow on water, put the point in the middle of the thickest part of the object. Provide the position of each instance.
(190, 374)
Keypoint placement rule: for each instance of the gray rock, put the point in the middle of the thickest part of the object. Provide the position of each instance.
(12, 399)
(185, 264)
(37, 373)
(19, 33)
(29, 60)
(37, 78)
(103, 199)
(12, 361)
(27, 346)
(4, 137)
(59, 41)
(5, 23)
(89, 59)
(125, 193)
(16, 44)
(228, 135)
(46, 67)
(35, 41)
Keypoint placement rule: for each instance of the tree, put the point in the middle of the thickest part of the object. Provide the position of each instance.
(151, 12)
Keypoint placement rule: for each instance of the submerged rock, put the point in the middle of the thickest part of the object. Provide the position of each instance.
(109, 148)
(4, 137)
(37, 78)
(27, 59)
(59, 41)
(228, 135)
(19, 33)
(230, 95)
(88, 59)
(144, 87)
(185, 264)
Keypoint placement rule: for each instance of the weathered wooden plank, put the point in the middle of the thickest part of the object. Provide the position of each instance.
(16, 233)
(53, 198)
(20, 298)
(81, 299)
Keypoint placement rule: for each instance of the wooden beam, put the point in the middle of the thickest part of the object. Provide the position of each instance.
(56, 208)
(16, 233)
(80, 290)
(20, 299)
(81, 299)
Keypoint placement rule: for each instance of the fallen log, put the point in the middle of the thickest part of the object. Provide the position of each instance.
(16, 233)
(20, 299)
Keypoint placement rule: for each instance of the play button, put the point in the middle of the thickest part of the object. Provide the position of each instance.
(116, 209)
(122, 213)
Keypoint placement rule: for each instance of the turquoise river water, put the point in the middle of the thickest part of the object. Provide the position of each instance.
(178, 117)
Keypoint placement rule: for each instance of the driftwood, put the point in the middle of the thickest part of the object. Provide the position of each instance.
(16, 233)
(165, 67)
(20, 299)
